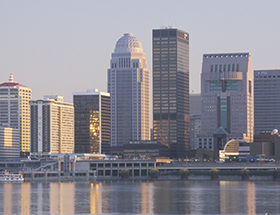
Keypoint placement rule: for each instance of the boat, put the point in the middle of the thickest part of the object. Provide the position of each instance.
(11, 177)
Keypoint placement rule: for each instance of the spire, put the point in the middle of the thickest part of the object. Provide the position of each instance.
(11, 78)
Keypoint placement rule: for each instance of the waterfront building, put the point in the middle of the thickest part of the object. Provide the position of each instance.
(171, 90)
(9, 142)
(266, 144)
(266, 100)
(129, 87)
(52, 125)
(15, 111)
(227, 100)
(92, 121)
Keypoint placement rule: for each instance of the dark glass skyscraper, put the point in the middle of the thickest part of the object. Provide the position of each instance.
(92, 121)
(171, 89)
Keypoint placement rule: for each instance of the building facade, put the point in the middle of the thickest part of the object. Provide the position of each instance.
(92, 121)
(15, 110)
(52, 125)
(171, 90)
(9, 142)
(129, 87)
(195, 119)
(266, 100)
(227, 98)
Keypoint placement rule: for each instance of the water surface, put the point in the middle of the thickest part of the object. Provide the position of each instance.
(140, 197)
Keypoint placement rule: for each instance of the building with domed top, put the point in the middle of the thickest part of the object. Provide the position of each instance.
(129, 87)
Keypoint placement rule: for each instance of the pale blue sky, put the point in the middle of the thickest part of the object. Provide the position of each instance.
(60, 47)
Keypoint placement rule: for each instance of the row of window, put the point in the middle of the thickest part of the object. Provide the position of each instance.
(224, 67)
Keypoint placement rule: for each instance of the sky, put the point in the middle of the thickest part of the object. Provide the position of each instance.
(60, 47)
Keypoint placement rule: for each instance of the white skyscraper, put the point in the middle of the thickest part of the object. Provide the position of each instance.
(227, 99)
(129, 86)
(52, 125)
(15, 110)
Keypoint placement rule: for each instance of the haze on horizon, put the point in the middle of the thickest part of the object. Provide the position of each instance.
(60, 47)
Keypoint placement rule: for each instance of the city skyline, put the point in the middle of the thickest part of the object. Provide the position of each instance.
(50, 44)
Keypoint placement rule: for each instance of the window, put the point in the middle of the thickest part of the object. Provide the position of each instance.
(228, 68)
(237, 67)
(233, 67)
(212, 68)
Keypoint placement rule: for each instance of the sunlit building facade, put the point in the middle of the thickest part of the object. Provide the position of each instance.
(92, 121)
(15, 110)
(9, 142)
(171, 90)
(52, 125)
(129, 87)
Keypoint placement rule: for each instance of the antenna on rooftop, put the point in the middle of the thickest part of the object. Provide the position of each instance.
(11, 77)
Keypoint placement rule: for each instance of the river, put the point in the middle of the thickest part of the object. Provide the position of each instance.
(141, 197)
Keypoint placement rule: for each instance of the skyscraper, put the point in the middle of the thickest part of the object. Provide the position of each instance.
(129, 86)
(227, 99)
(52, 125)
(171, 89)
(92, 121)
(15, 110)
(266, 100)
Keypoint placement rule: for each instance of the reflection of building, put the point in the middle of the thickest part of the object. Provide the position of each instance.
(165, 193)
(171, 89)
(230, 199)
(62, 198)
(147, 198)
(92, 121)
(9, 142)
(266, 100)
(95, 198)
(52, 125)
(25, 198)
(251, 195)
(227, 98)
(8, 199)
(15, 110)
(129, 86)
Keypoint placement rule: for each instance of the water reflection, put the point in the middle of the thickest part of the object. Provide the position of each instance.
(158, 197)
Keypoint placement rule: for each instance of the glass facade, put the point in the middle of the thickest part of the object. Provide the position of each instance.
(171, 89)
(92, 113)
(217, 86)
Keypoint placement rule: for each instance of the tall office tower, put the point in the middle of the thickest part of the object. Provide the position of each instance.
(52, 125)
(15, 110)
(129, 86)
(227, 99)
(92, 121)
(9, 142)
(171, 90)
(266, 100)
